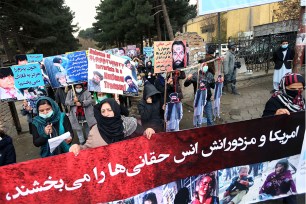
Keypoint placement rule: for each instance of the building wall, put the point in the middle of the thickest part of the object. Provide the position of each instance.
(240, 20)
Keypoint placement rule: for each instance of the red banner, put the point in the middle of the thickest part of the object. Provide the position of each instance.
(126, 168)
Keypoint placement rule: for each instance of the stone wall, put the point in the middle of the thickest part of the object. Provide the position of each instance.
(6, 120)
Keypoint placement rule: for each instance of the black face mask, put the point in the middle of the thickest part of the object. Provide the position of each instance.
(292, 93)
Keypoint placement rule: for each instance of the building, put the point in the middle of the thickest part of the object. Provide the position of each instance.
(233, 23)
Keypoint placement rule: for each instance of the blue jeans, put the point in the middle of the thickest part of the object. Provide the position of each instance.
(209, 113)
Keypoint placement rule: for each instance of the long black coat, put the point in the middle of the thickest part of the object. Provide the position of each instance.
(7, 150)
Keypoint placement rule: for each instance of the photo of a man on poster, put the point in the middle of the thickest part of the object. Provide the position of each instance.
(178, 55)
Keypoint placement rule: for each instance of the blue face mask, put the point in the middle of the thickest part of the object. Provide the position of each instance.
(205, 68)
(285, 46)
(45, 116)
(101, 98)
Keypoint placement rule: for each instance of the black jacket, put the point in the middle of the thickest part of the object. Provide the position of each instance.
(7, 150)
(151, 113)
(278, 58)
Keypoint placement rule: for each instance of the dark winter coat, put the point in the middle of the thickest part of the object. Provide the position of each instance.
(7, 150)
(151, 116)
(278, 58)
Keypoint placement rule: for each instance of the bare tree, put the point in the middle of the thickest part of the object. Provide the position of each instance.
(288, 9)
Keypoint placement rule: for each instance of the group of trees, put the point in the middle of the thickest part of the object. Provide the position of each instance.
(38, 26)
(45, 26)
(121, 22)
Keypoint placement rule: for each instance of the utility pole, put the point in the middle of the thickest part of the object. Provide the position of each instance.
(300, 41)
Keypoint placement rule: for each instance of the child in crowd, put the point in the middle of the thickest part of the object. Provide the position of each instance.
(239, 187)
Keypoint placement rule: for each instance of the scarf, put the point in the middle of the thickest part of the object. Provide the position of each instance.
(292, 104)
(110, 128)
(40, 123)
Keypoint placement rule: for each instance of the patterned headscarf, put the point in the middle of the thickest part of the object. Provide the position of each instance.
(293, 104)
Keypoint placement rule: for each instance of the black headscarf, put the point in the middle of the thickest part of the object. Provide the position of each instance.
(110, 128)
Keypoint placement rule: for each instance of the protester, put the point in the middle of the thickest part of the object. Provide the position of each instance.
(60, 98)
(288, 98)
(206, 76)
(150, 108)
(50, 123)
(159, 84)
(230, 71)
(7, 149)
(282, 58)
(278, 182)
(29, 111)
(100, 96)
(206, 186)
(81, 110)
(111, 127)
(239, 187)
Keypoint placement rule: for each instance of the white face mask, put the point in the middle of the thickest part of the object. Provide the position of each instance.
(101, 98)
(48, 115)
(78, 90)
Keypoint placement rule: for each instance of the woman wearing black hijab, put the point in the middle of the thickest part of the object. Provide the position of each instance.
(111, 127)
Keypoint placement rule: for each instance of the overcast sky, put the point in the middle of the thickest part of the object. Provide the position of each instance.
(85, 11)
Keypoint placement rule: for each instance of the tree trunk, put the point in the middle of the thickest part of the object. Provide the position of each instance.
(6, 47)
(159, 34)
(18, 42)
(300, 49)
(167, 20)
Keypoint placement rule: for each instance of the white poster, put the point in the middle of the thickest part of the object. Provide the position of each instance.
(212, 6)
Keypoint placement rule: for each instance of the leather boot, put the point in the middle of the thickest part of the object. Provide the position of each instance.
(234, 90)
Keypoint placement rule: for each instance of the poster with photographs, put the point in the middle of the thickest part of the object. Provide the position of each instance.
(149, 54)
(67, 68)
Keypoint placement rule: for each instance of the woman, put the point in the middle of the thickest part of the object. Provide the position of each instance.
(81, 110)
(111, 127)
(7, 150)
(49, 123)
(150, 108)
(289, 97)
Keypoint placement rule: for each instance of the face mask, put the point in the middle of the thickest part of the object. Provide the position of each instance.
(292, 93)
(101, 98)
(163, 75)
(285, 46)
(48, 115)
(78, 90)
(139, 82)
(205, 68)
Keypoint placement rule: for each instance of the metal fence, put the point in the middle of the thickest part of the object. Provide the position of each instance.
(258, 52)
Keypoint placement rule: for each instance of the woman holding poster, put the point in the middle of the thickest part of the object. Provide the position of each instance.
(111, 127)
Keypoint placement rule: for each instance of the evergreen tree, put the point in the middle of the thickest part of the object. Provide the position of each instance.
(40, 26)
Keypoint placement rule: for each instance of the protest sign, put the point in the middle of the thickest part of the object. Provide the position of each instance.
(97, 175)
(131, 51)
(149, 54)
(67, 68)
(105, 72)
(34, 58)
(162, 56)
